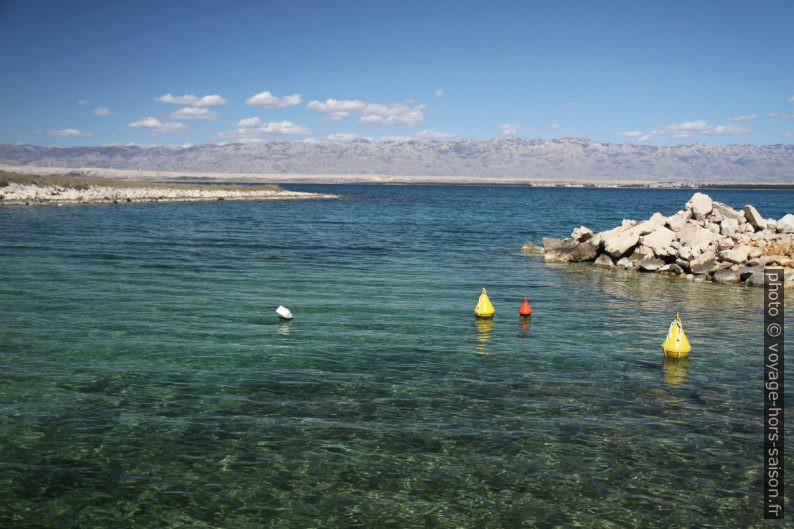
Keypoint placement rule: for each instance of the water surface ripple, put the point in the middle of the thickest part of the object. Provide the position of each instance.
(146, 382)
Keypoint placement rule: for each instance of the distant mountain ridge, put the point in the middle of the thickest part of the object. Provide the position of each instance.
(565, 159)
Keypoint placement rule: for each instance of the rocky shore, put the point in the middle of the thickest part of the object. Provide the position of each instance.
(60, 190)
(706, 241)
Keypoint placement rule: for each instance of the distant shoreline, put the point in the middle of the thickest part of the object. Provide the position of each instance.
(35, 189)
(291, 178)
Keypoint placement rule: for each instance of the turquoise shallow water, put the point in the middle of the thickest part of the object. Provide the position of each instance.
(145, 380)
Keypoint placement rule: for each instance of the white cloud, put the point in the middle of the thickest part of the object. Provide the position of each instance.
(101, 111)
(424, 135)
(69, 133)
(555, 125)
(268, 100)
(789, 134)
(575, 104)
(156, 126)
(253, 130)
(742, 117)
(691, 128)
(249, 122)
(83, 102)
(778, 115)
(213, 100)
(400, 113)
(790, 99)
(194, 113)
(510, 129)
(344, 136)
(440, 92)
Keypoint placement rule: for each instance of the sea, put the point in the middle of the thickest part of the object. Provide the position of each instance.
(146, 380)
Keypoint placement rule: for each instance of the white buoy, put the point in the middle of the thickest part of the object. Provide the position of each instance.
(283, 313)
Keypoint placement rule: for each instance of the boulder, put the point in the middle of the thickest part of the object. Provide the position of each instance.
(581, 234)
(658, 240)
(785, 224)
(704, 263)
(676, 269)
(726, 276)
(726, 244)
(651, 264)
(694, 235)
(736, 255)
(604, 260)
(550, 244)
(620, 241)
(712, 227)
(746, 271)
(658, 218)
(687, 253)
(569, 250)
(728, 226)
(641, 253)
(625, 262)
(728, 212)
(754, 218)
(756, 279)
(677, 221)
(700, 205)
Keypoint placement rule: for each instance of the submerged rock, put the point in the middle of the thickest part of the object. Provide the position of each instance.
(604, 260)
(567, 250)
(726, 276)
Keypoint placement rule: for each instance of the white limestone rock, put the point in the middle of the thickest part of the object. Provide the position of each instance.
(785, 224)
(700, 205)
(677, 221)
(659, 240)
(728, 212)
(736, 255)
(581, 234)
(754, 218)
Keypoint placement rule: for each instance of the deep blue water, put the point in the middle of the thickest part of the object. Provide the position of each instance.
(145, 380)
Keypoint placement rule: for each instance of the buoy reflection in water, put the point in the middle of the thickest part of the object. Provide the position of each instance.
(284, 327)
(524, 325)
(484, 329)
(675, 370)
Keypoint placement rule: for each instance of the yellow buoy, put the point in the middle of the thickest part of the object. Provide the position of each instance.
(484, 309)
(676, 344)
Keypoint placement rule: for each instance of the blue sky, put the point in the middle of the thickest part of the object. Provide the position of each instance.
(158, 72)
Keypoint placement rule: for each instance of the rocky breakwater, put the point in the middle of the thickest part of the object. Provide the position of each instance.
(708, 240)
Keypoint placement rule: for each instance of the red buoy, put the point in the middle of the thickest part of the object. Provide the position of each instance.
(525, 309)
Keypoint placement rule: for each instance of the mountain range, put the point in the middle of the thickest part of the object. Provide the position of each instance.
(557, 160)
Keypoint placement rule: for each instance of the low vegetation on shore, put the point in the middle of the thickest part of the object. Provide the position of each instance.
(18, 188)
(708, 240)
